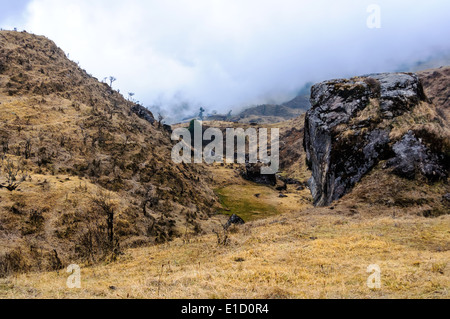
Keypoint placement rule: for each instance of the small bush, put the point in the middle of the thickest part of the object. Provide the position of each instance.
(222, 237)
(13, 175)
(439, 268)
(18, 208)
(34, 223)
(11, 263)
(374, 85)
(93, 245)
(2, 67)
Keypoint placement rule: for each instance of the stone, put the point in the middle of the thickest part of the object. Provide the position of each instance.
(446, 199)
(341, 145)
(253, 173)
(143, 113)
(413, 158)
(168, 129)
(234, 220)
(399, 92)
(288, 180)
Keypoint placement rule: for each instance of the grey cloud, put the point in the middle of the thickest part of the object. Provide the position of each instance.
(223, 54)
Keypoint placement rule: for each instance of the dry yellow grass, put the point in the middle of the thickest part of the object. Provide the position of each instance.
(304, 255)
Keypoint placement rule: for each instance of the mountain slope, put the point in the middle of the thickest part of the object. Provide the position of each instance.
(78, 144)
(269, 113)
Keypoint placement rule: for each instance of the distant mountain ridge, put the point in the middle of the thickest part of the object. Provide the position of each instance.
(269, 113)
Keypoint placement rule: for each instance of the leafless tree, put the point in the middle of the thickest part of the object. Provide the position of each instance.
(104, 201)
(84, 134)
(112, 80)
(28, 148)
(160, 119)
(5, 146)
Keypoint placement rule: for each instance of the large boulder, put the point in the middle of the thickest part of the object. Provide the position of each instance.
(344, 138)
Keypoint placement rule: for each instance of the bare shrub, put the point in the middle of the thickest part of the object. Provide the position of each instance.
(35, 222)
(55, 263)
(2, 67)
(160, 120)
(27, 152)
(13, 175)
(93, 245)
(99, 242)
(44, 158)
(104, 201)
(150, 200)
(222, 237)
(11, 263)
(4, 142)
(374, 85)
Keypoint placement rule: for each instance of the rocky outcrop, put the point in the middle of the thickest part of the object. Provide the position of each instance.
(253, 173)
(143, 113)
(446, 199)
(234, 220)
(347, 132)
(413, 158)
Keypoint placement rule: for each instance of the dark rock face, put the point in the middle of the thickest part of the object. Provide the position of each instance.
(399, 92)
(234, 220)
(143, 113)
(168, 128)
(446, 199)
(253, 174)
(413, 158)
(289, 181)
(354, 158)
(343, 138)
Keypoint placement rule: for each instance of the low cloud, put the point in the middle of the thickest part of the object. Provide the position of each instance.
(178, 55)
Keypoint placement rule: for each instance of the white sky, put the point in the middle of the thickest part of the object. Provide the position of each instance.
(224, 54)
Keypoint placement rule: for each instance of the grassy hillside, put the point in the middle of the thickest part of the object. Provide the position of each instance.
(79, 150)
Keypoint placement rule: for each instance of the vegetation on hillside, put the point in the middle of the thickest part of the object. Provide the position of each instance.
(66, 139)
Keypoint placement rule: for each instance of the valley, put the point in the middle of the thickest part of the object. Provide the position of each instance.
(87, 179)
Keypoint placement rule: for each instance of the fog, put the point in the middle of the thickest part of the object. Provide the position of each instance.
(178, 55)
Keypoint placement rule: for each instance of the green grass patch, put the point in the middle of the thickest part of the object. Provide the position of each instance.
(241, 200)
